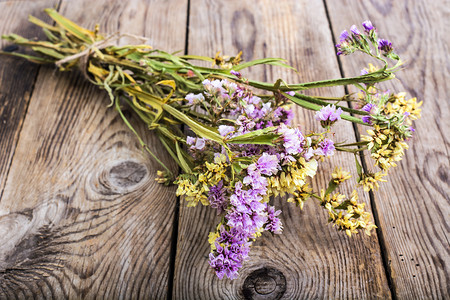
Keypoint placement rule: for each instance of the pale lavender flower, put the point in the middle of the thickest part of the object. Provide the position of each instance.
(291, 93)
(326, 148)
(194, 99)
(355, 30)
(273, 222)
(190, 140)
(196, 143)
(293, 139)
(329, 113)
(224, 130)
(268, 164)
(344, 36)
(217, 197)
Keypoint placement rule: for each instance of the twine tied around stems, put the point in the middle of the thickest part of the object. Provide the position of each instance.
(83, 56)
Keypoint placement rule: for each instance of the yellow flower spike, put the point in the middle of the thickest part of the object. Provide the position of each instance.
(339, 176)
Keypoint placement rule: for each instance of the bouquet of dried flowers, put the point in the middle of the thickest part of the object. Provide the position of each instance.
(233, 141)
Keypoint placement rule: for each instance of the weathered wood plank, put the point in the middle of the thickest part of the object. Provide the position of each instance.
(82, 216)
(413, 206)
(310, 259)
(17, 78)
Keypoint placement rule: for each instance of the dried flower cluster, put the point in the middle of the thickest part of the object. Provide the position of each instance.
(239, 148)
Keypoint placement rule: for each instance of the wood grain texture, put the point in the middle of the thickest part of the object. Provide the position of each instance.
(310, 259)
(17, 77)
(81, 215)
(413, 206)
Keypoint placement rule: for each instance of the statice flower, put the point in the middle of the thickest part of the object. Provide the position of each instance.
(292, 138)
(385, 46)
(224, 130)
(195, 143)
(367, 26)
(328, 115)
(355, 30)
(326, 148)
(273, 224)
(194, 99)
(225, 262)
(268, 164)
(371, 109)
(217, 197)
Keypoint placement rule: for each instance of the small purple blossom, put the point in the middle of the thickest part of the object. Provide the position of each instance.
(268, 164)
(345, 36)
(217, 197)
(328, 115)
(225, 262)
(291, 93)
(326, 148)
(196, 143)
(355, 30)
(293, 139)
(224, 130)
(367, 26)
(385, 46)
(194, 99)
(370, 108)
(236, 73)
(367, 119)
(273, 222)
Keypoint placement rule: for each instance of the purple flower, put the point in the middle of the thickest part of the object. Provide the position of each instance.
(344, 36)
(273, 222)
(194, 99)
(235, 73)
(217, 197)
(196, 143)
(355, 30)
(293, 139)
(370, 108)
(225, 262)
(367, 26)
(190, 140)
(385, 46)
(367, 120)
(364, 72)
(326, 148)
(224, 130)
(328, 115)
(268, 164)
(291, 93)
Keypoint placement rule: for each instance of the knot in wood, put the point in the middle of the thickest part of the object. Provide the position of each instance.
(264, 283)
(127, 174)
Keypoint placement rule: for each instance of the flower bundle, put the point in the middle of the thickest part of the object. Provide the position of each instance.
(233, 141)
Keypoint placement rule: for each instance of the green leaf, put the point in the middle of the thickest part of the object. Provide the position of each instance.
(183, 164)
(264, 136)
(331, 187)
(198, 128)
(81, 33)
(358, 168)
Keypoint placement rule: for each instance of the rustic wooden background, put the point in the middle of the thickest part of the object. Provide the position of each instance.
(80, 213)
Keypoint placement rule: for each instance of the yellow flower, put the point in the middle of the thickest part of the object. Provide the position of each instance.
(369, 181)
(340, 176)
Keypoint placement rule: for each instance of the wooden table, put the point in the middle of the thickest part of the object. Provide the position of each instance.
(82, 217)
